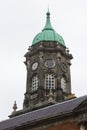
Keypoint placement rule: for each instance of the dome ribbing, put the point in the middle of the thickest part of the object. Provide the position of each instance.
(48, 34)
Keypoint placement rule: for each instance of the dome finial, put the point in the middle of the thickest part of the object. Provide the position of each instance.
(48, 13)
(48, 7)
(48, 25)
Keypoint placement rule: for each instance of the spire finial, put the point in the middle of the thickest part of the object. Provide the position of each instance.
(48, 7)
(48, 25)
(48, 13)
(14, 107)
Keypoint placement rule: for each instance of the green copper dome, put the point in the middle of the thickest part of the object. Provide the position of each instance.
(48, 34)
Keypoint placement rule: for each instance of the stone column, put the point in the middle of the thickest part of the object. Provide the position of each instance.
(82, 127)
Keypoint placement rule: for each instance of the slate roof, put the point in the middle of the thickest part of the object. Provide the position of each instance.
(43, 113)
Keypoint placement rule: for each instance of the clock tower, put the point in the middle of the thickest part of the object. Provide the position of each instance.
(48, 69)
(48, 102)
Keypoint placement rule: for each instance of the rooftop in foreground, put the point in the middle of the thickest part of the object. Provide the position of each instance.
(56, 110)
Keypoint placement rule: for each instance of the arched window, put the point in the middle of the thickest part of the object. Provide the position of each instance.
(49, 81)
(34, 83)
(63, 84)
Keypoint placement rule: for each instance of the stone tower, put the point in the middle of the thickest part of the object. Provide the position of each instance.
(48, 69)
(48, 85)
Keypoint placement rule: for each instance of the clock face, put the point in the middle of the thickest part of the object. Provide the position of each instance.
(34, 66)
(50, 63)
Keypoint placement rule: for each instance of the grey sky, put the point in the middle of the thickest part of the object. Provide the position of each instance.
(20, 21)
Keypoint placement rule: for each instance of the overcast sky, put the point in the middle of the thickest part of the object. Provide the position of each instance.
(20, 21)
